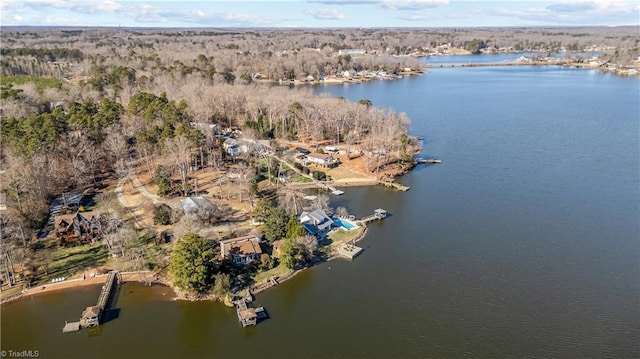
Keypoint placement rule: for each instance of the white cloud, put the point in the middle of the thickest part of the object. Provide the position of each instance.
(77, 6)
(388, 4)
(344, 2)
(9, 5)
(573, 13)
(412, 4)
(325, 14)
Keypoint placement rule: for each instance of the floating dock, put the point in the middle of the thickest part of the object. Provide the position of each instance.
(71, 327)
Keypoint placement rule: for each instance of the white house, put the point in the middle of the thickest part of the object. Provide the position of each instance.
(316, 222)
(321, 159)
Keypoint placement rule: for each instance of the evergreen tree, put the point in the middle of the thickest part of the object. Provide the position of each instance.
(192, 263)
(295, 229)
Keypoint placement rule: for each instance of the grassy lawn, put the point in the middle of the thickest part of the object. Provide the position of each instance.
(279, 271)
(68, 261)
(298, 178)
(343, 236)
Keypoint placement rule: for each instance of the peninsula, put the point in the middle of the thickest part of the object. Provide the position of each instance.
(139, 151)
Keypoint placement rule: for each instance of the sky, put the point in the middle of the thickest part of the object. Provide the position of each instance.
(319, 13)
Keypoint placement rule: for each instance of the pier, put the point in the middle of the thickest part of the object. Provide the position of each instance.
(395, 185)
(377, 215)
(249, 316)
(420, 160)
(92, 316)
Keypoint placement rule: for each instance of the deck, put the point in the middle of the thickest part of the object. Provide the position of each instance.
(349, 250)
(249, 316)
(377, 215)
(71, 327)
(92, 316)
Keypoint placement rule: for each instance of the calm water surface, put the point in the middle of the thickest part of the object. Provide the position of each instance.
(523, 243)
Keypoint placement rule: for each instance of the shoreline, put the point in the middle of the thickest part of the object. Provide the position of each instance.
(149, 278)
(154, 279)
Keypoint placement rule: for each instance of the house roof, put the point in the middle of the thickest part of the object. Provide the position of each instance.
(91, 312)
(316, 216)
(64, 221)
(193, 204)
(320, 156)
(240, 247)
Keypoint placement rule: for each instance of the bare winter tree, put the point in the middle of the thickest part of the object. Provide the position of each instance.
(179, 150)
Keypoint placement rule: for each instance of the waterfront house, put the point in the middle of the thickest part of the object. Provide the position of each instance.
(316, 222)
(321, 159)
(241, 250)
(76, 228)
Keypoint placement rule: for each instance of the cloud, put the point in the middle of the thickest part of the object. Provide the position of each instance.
(572, 7)
(88, 7)
(9, 5)
(388, 4)
(412, 4)
(344, 2)
(145, 13)
(598, 12)
(325, 14)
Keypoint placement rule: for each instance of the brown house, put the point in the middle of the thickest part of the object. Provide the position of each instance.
(76, 228)
(241, 250)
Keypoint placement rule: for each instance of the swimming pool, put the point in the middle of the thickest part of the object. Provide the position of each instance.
(345, 224)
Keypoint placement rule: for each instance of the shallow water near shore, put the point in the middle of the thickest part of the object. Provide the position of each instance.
(522, 243)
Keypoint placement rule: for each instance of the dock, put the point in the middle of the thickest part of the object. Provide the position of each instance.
(419, 160)
(377, 215)
(92, 316)
(71, 327)
(349, 251)
(249, 316)
(395, 185)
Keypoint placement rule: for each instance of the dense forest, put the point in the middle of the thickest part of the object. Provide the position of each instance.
(81, 107)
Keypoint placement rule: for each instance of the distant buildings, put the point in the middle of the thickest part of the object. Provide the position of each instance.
(352, 52)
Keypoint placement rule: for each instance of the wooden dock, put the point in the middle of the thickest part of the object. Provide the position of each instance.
(419, 160)
(92, 316)
(71, 327)
(377, 215)
(395, 185)
(249, 316)
(105, 294)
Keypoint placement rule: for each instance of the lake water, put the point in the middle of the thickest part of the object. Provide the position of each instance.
(523, 243)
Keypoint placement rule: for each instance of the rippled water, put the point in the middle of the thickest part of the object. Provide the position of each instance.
(524, 242)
